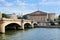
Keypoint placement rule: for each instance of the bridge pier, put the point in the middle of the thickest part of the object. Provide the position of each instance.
(22, 27)
(32, 26)
(2, 29)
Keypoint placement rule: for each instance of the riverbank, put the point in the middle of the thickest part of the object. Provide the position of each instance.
(54, 26)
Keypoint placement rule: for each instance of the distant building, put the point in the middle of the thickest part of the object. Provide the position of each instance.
(52, 16)
(0, 15)
(12, 16)
(41, 17)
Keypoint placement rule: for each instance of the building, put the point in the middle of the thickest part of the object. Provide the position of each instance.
(0, 15)
(41, 17)
(52, 16)
(12, 16)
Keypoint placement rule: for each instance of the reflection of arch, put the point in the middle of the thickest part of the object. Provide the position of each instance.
(12, 26)
(35, 25)
(27, 25)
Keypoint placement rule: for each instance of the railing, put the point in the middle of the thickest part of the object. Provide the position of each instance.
(20, 20)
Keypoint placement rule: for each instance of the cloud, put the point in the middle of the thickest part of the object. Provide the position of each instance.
(44, 0)
(5, 3)
(8, 4)
(50, 3)
(2, 0)
(18, 3)
(24, 4)
(33, 5)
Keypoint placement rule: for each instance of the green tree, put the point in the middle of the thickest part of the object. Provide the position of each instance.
(24, 17)
(4, 15)
(59, 19)
(19, 17)
(54, 19)
(50, 21)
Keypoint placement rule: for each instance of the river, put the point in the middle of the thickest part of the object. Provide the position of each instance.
(32, 34)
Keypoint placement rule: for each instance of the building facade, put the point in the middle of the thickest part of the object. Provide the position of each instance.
(52, 16)
(12, 16)
(41, 17)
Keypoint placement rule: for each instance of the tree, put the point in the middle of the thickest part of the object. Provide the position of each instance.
(59, 19)
(4, 15)
(24, 17)
(19, 17)
(54, 19)
(50, 21)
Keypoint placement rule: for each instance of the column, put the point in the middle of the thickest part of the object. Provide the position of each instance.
(22, 24)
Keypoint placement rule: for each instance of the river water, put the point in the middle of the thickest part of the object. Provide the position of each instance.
(32, 34)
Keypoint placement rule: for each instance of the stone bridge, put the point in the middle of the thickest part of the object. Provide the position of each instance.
(16, 24)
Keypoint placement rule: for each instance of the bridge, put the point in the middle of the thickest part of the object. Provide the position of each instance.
(15, 24)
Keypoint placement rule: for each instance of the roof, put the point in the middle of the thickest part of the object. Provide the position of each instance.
(38, 13)
(51, 13)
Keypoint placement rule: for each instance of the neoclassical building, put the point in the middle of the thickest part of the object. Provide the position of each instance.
(41, 17)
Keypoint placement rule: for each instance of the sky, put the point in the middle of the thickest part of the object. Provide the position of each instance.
(22, 7)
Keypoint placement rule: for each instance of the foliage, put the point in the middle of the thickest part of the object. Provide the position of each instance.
(4, 15)
(59, 19)
(48, 19)
(24, 17)
(51, 21)
(19, 17)
(54, 19)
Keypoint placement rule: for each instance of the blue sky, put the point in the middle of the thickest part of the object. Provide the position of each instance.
(22, 7)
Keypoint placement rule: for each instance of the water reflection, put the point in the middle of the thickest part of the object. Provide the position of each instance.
(2, 37)
(32, 34)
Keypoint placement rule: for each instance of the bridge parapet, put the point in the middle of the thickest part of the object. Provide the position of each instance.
(26, 20)
(6, 19)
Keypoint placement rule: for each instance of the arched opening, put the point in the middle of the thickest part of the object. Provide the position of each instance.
(12, 26)
(27, 25)
(35, 25)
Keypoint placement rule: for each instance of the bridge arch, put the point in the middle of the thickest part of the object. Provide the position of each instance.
(27, 25)
(3, 26)
(35, 24)
(12, 26)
